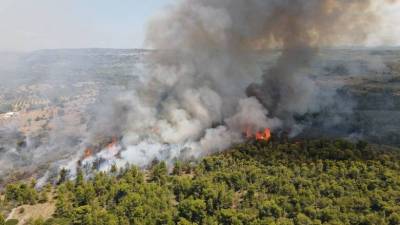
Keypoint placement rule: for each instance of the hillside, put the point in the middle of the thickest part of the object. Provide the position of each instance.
(59, 102)
(304, 182)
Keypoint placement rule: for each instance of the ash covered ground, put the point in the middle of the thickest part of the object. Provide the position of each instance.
(55, 104)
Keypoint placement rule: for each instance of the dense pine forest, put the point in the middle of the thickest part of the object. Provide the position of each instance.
(296, 182)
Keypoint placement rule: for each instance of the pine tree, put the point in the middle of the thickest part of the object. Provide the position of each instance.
(2, 220)
(79, 177)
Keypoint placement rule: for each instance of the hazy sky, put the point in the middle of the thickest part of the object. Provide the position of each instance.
(39, 24)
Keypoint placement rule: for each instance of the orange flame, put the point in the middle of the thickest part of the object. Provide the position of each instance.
(88, 152)
(265, 135)
(112, 144)
(259, 136)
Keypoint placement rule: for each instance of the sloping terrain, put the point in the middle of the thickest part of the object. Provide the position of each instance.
(26, 213)
(60, 102)
(279, 182)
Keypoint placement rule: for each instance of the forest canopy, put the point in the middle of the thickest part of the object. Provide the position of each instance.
(303, 182)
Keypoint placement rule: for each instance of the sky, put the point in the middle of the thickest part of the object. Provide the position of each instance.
(46, 24)
(27, 25)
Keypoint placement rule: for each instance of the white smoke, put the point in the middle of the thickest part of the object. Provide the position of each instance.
(205, 85)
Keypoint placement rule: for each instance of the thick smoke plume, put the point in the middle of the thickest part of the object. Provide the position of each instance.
(208, 86)
(205, 84)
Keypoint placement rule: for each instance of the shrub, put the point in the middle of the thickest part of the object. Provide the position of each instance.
(12, 222)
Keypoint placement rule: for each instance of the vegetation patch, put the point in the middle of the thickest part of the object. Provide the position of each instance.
(307, 182)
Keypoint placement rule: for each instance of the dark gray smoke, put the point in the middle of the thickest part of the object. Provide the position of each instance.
(205, 84)
(215, 44)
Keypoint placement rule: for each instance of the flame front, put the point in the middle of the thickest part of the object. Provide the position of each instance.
(113, 144)
(264, 136)
(88, 152)
(259, 136)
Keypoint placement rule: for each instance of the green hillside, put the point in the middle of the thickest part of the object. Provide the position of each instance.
(310, 182)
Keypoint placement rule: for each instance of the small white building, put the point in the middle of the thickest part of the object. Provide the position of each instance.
(9, 115)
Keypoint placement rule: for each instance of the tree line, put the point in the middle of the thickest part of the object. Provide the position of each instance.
(291, 182)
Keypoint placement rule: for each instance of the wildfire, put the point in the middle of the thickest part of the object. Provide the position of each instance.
(265, 135)
(88, 152)
(105, 150)
(113, 144)
(259, 135)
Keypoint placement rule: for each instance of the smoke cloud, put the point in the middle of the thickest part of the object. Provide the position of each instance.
(207, 86)
(204, 85)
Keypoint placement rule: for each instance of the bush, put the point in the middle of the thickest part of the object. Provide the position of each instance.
(12, 222)
(2, 220)
(20, 193)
